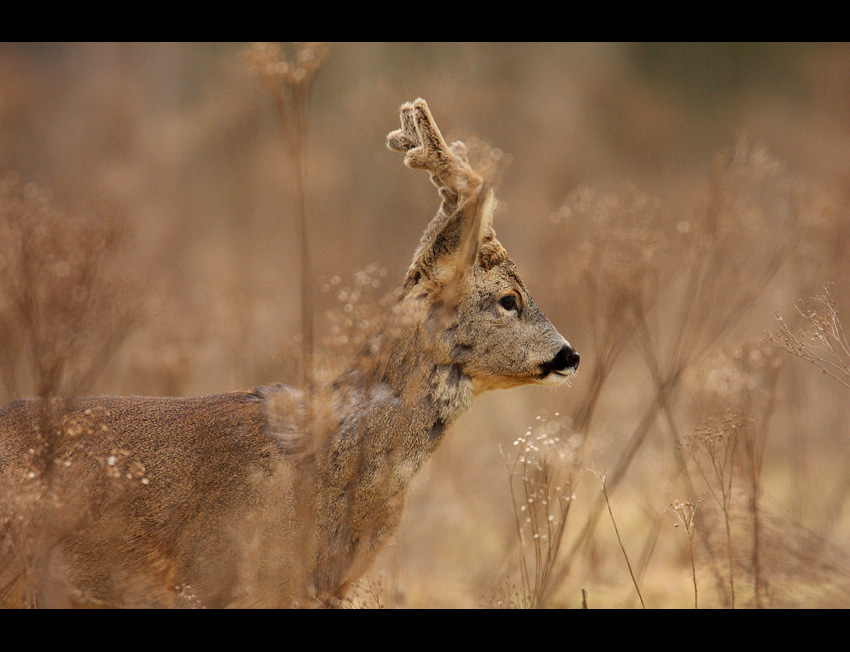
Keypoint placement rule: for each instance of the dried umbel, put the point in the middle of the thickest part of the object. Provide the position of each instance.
(287, 72)
(823, 342)
(294, 65)
(684, 513)
(712, 447)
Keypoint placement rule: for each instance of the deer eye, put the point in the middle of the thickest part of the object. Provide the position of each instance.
(509, 302)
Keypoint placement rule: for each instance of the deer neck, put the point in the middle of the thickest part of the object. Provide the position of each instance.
(413, 391)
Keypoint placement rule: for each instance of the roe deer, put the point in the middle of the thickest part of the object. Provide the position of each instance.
(272, 496)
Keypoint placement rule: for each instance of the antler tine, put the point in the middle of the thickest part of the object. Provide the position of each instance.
(424, 147)
(406, 138)
(433, 153)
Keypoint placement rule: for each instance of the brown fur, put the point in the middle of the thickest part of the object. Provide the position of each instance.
(264, 497)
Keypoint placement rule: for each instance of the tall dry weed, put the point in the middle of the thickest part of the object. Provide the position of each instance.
(543, 471)
(668, 288)
(713, 449)
(728, 453)
(685, 515)
(601, 477)
(66, 306)
(287, 72)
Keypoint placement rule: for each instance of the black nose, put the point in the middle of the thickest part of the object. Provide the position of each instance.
(566, 358)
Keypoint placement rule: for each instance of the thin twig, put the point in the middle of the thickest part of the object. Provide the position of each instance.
(601, 477)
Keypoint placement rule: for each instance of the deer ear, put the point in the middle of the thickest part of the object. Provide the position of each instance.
(450, 245)
(475, 222)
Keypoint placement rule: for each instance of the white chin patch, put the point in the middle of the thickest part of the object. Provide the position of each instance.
(555, 378)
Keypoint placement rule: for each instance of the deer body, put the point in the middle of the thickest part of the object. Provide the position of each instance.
(271, 496)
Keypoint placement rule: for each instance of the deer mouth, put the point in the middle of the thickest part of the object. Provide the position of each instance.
(553, 378)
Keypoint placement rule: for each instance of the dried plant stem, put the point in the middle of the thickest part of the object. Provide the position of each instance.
(535, 581)
(693, 572)
(752, 451)
(294, 131)
(756, 557)
(306, 263)
(635, 441)
(601, 477)
(724, 503)
(685, 515)
(729, 553)
(715, 445)
(289, 83)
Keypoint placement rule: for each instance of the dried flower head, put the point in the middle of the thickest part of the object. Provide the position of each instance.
(292, 64)
(823, 342)
(684, 514)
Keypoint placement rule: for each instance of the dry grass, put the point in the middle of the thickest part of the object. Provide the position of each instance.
(660, 224)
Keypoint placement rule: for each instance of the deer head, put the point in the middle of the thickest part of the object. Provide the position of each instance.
(491, 328)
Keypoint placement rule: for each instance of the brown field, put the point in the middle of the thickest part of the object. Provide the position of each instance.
(664, 203)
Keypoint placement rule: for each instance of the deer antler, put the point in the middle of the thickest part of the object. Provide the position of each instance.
(424, 148)
(466, 211)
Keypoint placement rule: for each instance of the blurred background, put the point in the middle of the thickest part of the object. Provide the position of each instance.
(663, 203)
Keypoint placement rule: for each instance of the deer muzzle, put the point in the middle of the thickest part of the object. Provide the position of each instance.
(563, 365)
